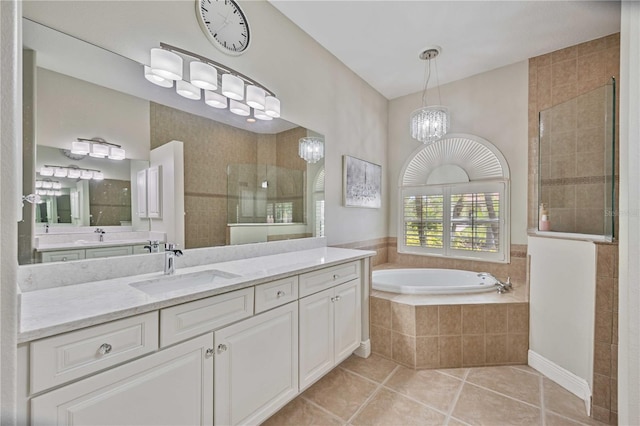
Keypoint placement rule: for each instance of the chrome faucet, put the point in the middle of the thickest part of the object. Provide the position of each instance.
(101, 232)
(153, 246)
(170, 254)
(503, 287)
(46, 228)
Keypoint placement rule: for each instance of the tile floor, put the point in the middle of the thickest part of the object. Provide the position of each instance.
(377, 391)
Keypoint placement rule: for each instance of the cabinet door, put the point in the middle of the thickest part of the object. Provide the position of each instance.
(141, 184)
(171, 387)
(316, 336)
(347, 319)
(62, 256)
(154, 192)
(256, 366)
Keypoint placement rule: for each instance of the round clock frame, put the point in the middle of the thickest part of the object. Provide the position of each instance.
(214, 16)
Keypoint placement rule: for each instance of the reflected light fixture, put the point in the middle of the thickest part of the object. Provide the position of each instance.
(98, 148)
(311, 149)
(236, 91)
(429, 123)
(72, 172)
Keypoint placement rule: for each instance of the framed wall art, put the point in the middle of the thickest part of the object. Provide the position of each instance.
(362, 183)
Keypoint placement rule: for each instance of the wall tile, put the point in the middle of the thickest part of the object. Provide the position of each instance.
(380, 312)
(380, 341)
(495, 316)
(604, 322)
(496, 349)
(403, 319)
(450, 351)
(426, 320)
(473, 350)
(450, 320)
(403, 349)
(601, 391)
(517, 348)
(600, 414)
(427, 352)
(518, 318)
(602, 358)
(473, 319)
(564, 72)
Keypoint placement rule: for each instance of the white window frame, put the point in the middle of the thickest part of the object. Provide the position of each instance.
(499, 186)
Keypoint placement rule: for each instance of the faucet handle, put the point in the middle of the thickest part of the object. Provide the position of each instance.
(170, 246)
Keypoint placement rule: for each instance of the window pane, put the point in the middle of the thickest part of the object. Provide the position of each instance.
(423, 216)
(475, 221)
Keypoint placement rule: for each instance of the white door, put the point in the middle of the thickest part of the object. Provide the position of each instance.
(347, 319)
(154, 192)
(316, 336)
(256, 366)
(171, 387)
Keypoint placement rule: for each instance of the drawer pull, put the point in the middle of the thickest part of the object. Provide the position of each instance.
(337, 298)
(280, 293)
(222, 348)
(104, 349)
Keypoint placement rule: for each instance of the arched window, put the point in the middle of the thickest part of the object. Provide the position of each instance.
(454, 200)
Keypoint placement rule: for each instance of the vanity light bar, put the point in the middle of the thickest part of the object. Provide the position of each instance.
(210, 75)
(97, 148)
(70, 172)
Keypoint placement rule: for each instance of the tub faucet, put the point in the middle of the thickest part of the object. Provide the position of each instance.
(101, 232)
(503, 287)
(170, 254)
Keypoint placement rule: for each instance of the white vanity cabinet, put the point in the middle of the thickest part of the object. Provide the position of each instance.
(329, 330)
(256, 366)
(172, 387)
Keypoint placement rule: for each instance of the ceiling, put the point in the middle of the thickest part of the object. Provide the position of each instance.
(380, 40)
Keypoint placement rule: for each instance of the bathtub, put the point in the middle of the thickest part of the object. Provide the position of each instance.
(432, 281)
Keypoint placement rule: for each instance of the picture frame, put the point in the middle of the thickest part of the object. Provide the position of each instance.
(362, 183)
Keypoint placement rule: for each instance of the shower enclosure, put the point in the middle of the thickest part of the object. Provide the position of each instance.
(577, 182)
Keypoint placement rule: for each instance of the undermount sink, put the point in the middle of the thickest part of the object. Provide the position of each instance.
(172, 282)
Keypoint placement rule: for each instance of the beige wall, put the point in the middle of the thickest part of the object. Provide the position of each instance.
(492, 105)
(317, 91)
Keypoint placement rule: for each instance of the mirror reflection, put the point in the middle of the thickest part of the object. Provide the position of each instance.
(193, 175)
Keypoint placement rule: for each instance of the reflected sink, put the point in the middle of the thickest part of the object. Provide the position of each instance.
(169, 283)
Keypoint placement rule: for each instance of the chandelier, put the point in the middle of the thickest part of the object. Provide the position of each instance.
(206, 75)
(429, 123)
(311, 149)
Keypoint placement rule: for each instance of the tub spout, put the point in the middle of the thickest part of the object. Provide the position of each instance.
(503, 287)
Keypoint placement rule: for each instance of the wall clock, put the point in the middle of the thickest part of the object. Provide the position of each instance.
(225, 25)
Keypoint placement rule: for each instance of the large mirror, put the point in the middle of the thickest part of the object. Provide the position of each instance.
(220, 178)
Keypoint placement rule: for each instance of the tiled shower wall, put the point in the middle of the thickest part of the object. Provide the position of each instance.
(209, 146)
(574, 158)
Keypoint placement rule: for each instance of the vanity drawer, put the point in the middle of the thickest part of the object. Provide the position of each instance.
(313, 282)
(62, 256)
(276, 293)
(59, 359)
(181, 322)
(94, 253)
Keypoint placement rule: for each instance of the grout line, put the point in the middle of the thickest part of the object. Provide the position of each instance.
(454, 402)
(504, 394)
(373, 394)
(360, 375)
(575, 420)
(416, 401)
(321, 408)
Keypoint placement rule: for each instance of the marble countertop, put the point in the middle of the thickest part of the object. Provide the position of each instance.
(84, 244)
(57, 310)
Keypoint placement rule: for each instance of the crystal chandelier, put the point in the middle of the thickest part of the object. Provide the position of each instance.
(429, 123)
(311, 149)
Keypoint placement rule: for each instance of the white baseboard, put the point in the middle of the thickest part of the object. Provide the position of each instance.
(565, 378)
(364, 350)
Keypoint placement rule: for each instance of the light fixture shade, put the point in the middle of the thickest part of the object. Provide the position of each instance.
(215, 100)
(57, 193)
(203, 75)
(256, 97)
(98, 175)
(166, 64)
(46, 171)
(239, 108)
(60, 172)
(57, 185)
(47, 184)
(80, 147)
(156, 79)
(39, 184)
(261, 115)
(187, 90)
(429, 124)
(272, 106)
(116, 153)
(311, 149)
(41, 192)
(232, 87)
(86, 174)
(73, 173)
(51, 192)
(99, 150)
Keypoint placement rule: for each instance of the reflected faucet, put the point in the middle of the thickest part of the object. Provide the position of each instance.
(170, 254)
(101, 232)
(153, 246)
(46, 228)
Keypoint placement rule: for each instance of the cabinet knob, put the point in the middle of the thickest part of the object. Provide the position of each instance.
(209, 353)
(104, 349)
(222, 347)
(337, 298)
(280, 293)
(336, 276)
(64, 259)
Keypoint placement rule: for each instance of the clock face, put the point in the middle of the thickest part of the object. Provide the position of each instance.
(224, 23)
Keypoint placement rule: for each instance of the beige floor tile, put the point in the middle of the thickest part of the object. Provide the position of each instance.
(552, 419)
(456, 372)
(478, 406)
(390, 408)
(301, 412)
(375, 367)
(340, 392)
(527, 369)
(456, 422)
(508, 381)
(563, 402)
(434, 389)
